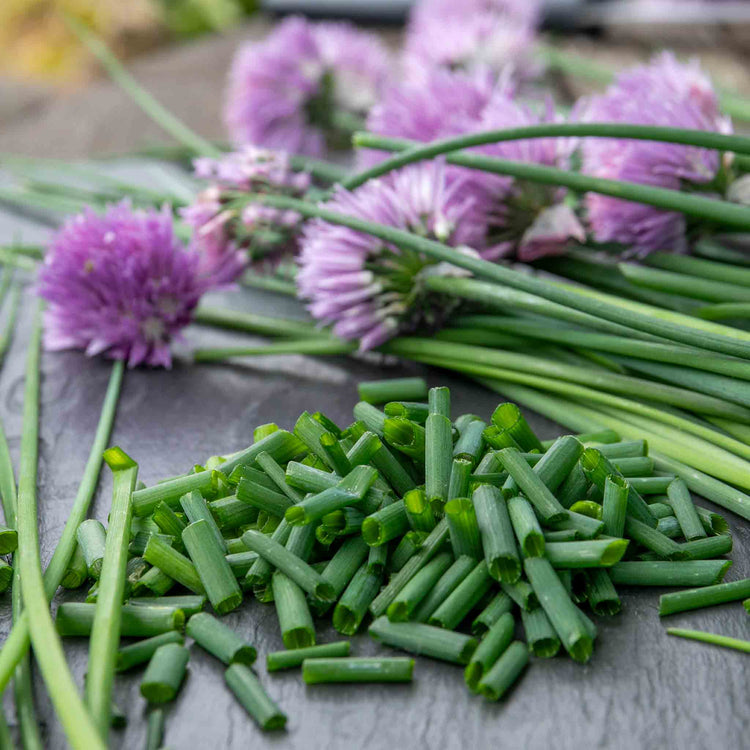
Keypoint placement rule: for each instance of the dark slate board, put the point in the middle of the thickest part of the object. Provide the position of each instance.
(642, 689)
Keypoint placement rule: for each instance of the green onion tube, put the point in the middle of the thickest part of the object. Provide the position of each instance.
(504, 672)
(522, 594)
(280, 660)
(666, 573)
(463, 598)
(92, 538)
(155, 729)
(390, 522)
(419, 511)
(438, 458)
(540, 635)
(165, 673)
(396, 389)
(497, 537)
(508, 417)
(497, 607)
(168, 521)
(141, 651)
(277, 475)
(594, 553)
(336, 455)
(650, 485)
(588, 508)
(293, 612)
(155, 582)
(8, 540)
(636, 466)
(561, 611)
(365, 449)
(426, 640)
(601, 594)
(707, 596)
(443, 588)
(684, 510)
(470, 444)
(558, 462)
(574, 487)
(344, 564)
(652, 539)
(253, 698)
(196, 509)
(261, 570)
(463, 528)
(214, 636)
(352, 606)
(614, 505)
(357, 669)
(77, 618)
(231, 513)
(526, 527)
(708, 547)
(712, 638)
(146, 500)
(77, 572)
(406, 601)
(531, 485)
(173, 564)
(497, 639)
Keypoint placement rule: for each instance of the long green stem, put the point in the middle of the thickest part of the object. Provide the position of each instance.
(48, 650)
(713, 638)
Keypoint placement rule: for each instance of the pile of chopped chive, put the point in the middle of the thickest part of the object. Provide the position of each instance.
(466, 541)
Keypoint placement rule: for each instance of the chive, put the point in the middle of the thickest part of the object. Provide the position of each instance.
(556, 465)
(439, 401)
(241, 562)
(574, 487)
(494, 643)
(416, 411)
(498, 438)
(585, 527)
(443, 588)
(713, 638)
(352, 606)
(138, 653)
(281, 445)
(293, 612)
(388, 523)
(601, 594)
(373, 418)
(396, 389)
(532, 486)
(165, 673)
(155, 729)
(357, 669)
(588, 508)
(594, 553)
(463, 528)
(215, 574)
(336, 457)
(280, 660)
(495, 609)
(508, 417)
(463, 598)
(526, 527)
(666, 573)
(271, 467)
(408, 599)
(392, 471)
(522, 594)
(6, 575)
(562, 535)
(196, 509)
(105, 631)
(173, 564)
(139, 541)
(684, 510)
(77, 573)
(261, 570)
(418, 511)
(650, 485)
(490, 464)
(8, 540)
(170, 491)
(497, 538)
(262, 498)
(653, 539)
(438, 458)
(707, 596)
(364, 450)
(168, 521)
(253, 698)
(540, 635)
(504, 672)
(470, 444)
(561, 611)
(670, 527)
(219, 640)
(426, 640)
(708, 547)
(624, 449)
(76, 619)
(298, 570)
(91, 539)
(460, 479)
(406, 437)
(635, 466)
(344, 564)
(155, 581)
(231, 513)
(661, 510)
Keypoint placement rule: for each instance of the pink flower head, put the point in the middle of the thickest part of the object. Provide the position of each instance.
(120, 284)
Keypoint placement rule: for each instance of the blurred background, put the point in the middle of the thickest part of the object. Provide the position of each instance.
(54, 101)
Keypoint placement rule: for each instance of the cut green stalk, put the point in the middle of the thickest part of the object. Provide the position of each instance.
(497, 607)
(652, 539)
(463, 598)
(139, 653)
(359, 595)
(395, 389)
(364, 450)
(105, 632)
(231, 513)
(196, 509)
(426, 640)
(280, 660)
(389, 522)
(594, 553)
(173, 564)
(651, 485)
(92, 541)
(505, 671)
(497, 538)
(170, 491)
(253, 698)
(443, 588)
(77, 618)
(272, 468)
(76, 573)
(708, 596)
(559, 460)
(614, 505)
(624, 449)
(497, 639)
(588, 508)
(263, 498)
(526, 527)
(168, 521)
(407, 600)
(522, 594)
(575, 487)
(464, 528)
(316, 671)
(155, 582)
(540, 635)
(601, 594)
(345, 563)
(470, 444)
(219, 640)
(684, 510)
(155, 729)
(664, 573)
(165, 673)
(636, 466)
(416, 411)
(406, 437)
(532, 486)
(410, 544)
(708, 547)
(460, 480)
(438, 458)
(293, 612)
(335, 453)
(419, 511)
(584, 527)
(508, 417)
(261, 570)
(713, 638)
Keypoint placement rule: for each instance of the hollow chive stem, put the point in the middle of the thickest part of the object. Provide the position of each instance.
(76, 619)
(419, 511)
(248, 690)
(614, 505)
(684, 510)
(407, 600)
(495, 609)
(416, 411)
(540, 635)
(343, 565)
(445, 585)
(92, 537)
(460, 480)
(318, 670)
(272, 468)
(299, 571)
(508, 417)
(574, 487)
(601, 593)
(463, 527)
(138, 653)
(559, 460)
(165, 673)
(395, 389)
(352, 606)
(708, 547)
(593, 553)
(218, 639)
(438, 458)
(168, 521)
(336, 455)
(526, 527)
(635, 466)
(280, 660)
(712, 638)
(105, 631)
(666, 573)
(173, 564)
(561, 611)
(532, 486)
(652, 539)
(463, 598)
(388, 523)
(498, 542)
(76, 573)
(293, 613)
(155, 729)
(8, 540)
(196, 509)
(406, 437)
(504, 672)
(365, 449)
(261, 570)
(707, 596)
(584, 527)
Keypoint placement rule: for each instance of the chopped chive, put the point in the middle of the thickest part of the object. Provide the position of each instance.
(155, 729)
(357, 669)
(653, 539)
(419, 511)
(624, 449)
(438, 458)
(463, 598)
(498, 438)
(593, 553)
(219, 640)
(392, 471)
(76, 619)
(262, 498)
(77, 572)
(490, 464)
(495, 609)
(634, 466)
(253, 698)
(364, 450)
(650, 485)
(526, 527)
(555, 466)
(276, 473)
(426, 640)
(335, 453)
(707, 596)
(508, 417)
(395, 389)
(497, 538)
(439, 400)
(416, 411)
(165, 673)
(708, 547)
(661, 510)
(601, 593)
(279, 660)
(388, 523)
(562, 535)
(532, 486)
(293, 613)
(684, 510)
(666, 573)
(92, 539)
(261, 570)
(168, 521)
(295, 568)
(155, 581)
(670, 527)
(231, 513)
(470, 444)
(561, 611)
(407, 600)
(504, 672)
(344, 564)
(540, 635)
(713, 638)
(462, 422)
(460, 479)
(173, 564)
(373, 418)
(8, 540)
(584, 526)
(6, 575)
(463, 527)
(443, 588)
(140, 652)
(139, 541)
(241, 562)
(170, 491)
(352, 606)
(522, 594)
(588, 508)
(574, 487)
(510, 488)
(207, 555)
(281, 445)
(196, 509)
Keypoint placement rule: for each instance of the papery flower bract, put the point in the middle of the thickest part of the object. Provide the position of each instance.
(369, 289)
(226, 237)
(119, 284)
(285, 91)
(664, 92)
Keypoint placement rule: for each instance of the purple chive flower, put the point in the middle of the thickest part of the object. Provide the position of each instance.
(119, 284)
(371, 290)
(286, 91)
(663, 92)
(228, 238)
